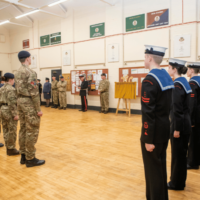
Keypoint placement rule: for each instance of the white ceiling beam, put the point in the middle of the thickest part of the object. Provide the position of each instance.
(17, 8)
(50, 13)
(19, 24)
(4, 7)
(62, 8)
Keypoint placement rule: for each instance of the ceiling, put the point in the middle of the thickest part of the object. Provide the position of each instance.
(9, 9)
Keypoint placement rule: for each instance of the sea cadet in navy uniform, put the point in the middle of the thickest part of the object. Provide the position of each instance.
(180, 126)
(156, 100)
(83, 93)
(194, 144)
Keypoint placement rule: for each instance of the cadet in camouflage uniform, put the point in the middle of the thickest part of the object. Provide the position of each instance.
(104, 94)
(8, 102)
(1, 145)
(62, 93)
(54, 92)
(28, 103)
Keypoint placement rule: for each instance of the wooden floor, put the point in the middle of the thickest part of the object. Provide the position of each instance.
(89, 156)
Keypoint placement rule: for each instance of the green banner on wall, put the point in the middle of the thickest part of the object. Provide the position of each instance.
(135, 22)
(44, 40)
(55, 38)
(97, 30)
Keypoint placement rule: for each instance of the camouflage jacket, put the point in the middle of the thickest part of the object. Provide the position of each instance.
(25, 84)
(54, 85)
(8, 95)
(62, 86)
(104, 86)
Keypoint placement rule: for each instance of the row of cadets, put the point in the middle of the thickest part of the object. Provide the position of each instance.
(180, 126)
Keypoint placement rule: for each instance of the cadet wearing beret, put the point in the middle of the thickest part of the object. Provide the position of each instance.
(8, 102)
(29, 110)
(47, 92)
(104, 94)
(62, 93)
(83, 93)
(156, 101)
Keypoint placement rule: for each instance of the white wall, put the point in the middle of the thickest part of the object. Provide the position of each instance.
(89, 53)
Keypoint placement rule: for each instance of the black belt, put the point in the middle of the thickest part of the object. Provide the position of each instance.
(4, 104)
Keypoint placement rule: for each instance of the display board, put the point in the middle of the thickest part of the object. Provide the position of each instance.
(97, 30)
(135, 74)
(93, 74)
(51, 39)
(135, 23)
(67, 78)
(26, 44)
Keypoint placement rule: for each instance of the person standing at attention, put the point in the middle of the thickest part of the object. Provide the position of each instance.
(54, 92)
(156, 100)
(40, 89)
(8, 102)
(47, 92)
(193, 160)
(28, 103)
(83, 93)
(104, 94)
(180, 124)
(62, 84)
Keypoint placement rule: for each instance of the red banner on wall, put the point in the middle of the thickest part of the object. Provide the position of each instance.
(26, 44)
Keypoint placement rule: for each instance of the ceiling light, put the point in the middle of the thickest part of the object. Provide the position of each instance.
(29, 13)
(57, 2)
(5, 22)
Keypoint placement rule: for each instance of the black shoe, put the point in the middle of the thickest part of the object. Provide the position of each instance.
(55, 106)
(84, 110)
(80, 110)
(47, 106)
(60, 108)
(34, 162)
(23, 159)
(12, 152)
(101, 111)
(64, 108)
(1, 145)
(192, 167)
(170, 187)
(105, 112)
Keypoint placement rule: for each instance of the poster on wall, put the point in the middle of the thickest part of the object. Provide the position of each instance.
(44, 40)
(135, 23)
(55, 38)
(113, 52)
(33, 61)
(97, 30)
(26, 44)
(182, 45)
(158, 18)
(66, 57)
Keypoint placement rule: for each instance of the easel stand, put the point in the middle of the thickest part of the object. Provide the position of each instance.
(128, 111)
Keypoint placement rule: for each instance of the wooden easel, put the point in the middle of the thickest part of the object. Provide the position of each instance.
(128, 111)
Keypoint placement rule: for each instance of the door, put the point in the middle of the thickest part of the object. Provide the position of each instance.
(56, 73)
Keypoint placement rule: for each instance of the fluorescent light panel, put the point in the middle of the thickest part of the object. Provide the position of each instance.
(5, 22)
(57, 2)
(29, 13)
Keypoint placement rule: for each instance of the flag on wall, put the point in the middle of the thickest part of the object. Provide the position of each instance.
(158, 18)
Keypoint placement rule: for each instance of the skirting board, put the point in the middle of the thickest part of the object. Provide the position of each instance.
(97, 108)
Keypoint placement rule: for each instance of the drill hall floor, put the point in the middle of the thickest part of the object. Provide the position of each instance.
(89, 156)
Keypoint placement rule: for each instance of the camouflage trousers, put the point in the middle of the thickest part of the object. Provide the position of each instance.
(55, 96)
(104, 99)
(29, 127)
(63, 99)
(9, 126)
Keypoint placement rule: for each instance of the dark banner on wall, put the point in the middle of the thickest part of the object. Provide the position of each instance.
(97, 30)
(26, 44)
(55, 38)
(44, 40)
(158, 18)
(135, 22)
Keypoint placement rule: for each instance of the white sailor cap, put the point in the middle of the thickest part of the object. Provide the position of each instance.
(155, 50)
(176, 62)
(193, 64)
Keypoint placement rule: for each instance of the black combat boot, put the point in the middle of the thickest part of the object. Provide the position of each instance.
(105, 112)
(1, 145)
(192, 167)
(60, 108)
(12, 152)
(23, 159)
(55, 106)
(34, 162)
(64, 108)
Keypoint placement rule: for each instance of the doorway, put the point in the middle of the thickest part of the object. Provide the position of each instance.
(56, 73)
